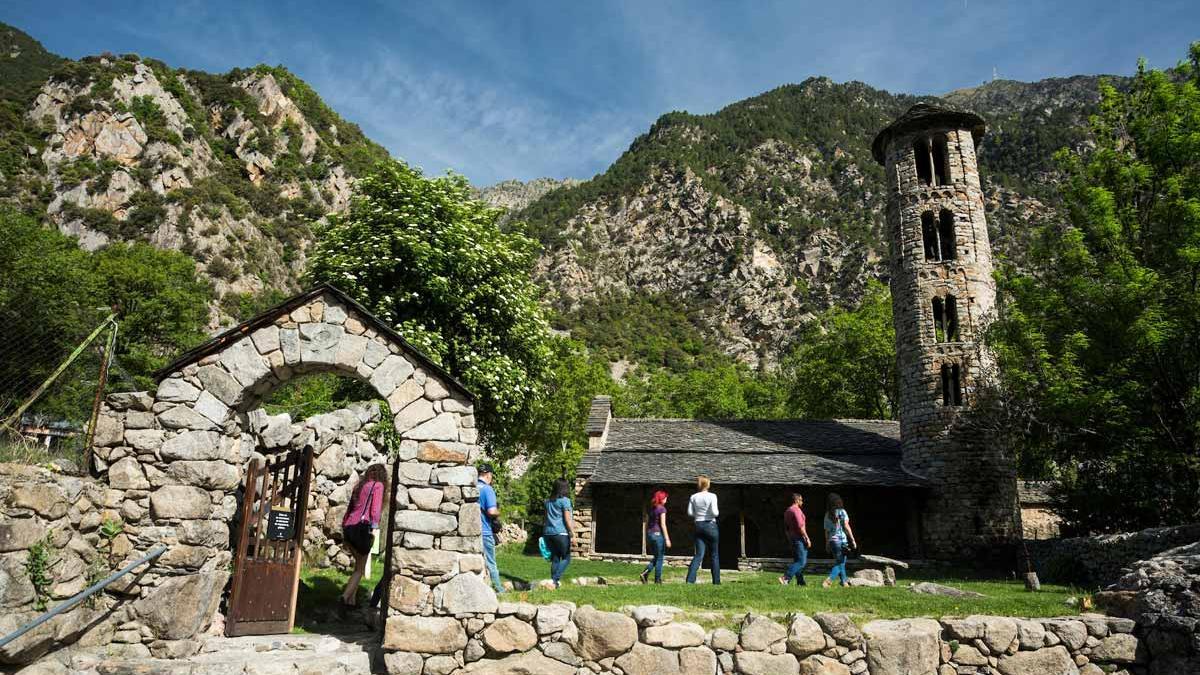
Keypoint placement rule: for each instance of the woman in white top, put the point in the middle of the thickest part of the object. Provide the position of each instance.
(702, 507)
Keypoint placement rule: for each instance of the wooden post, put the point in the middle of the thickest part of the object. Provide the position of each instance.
(645, 518)
(741, 523)
(913, 524)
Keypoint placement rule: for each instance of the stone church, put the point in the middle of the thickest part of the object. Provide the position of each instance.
(925, 487)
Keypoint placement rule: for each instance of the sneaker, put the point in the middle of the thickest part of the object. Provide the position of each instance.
(643, 576)
(827, 583)
(783, 581)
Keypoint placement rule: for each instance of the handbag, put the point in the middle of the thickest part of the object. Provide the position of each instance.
(358, 535)
(543, 548)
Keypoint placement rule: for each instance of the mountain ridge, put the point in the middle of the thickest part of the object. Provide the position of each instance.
(750, 220)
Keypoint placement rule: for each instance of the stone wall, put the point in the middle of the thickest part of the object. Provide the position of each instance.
(1099, 560)
(972, 504)
(342, 451)
(170, 462)
(559, 639)
(65, 516)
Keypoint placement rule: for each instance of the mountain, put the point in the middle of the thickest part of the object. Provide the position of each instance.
(752, 219)
(514, 196)
(719, 233)
(232, 169)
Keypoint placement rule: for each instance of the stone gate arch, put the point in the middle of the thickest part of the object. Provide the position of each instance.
(172, 458)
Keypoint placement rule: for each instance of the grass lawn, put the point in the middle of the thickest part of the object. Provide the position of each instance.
(317, 600)
(741, 592)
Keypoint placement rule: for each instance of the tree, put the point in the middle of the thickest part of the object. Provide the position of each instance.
(161, 304)
(845, 362)
(53, 294)
(1099, 338)
(427, 258)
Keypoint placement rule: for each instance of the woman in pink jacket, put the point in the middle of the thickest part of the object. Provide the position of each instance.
(360, 523)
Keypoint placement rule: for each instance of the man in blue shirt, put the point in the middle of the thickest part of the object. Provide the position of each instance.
(489, 509)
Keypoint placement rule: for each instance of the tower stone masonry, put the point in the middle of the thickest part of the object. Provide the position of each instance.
(943, 296)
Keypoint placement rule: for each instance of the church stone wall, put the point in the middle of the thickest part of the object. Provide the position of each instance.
(972, 501)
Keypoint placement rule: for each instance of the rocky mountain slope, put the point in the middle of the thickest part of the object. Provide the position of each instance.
(745, 222)
(772, 209)
(514, 196)
(231, 169)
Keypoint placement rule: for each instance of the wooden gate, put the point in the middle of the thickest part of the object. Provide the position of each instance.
(266, 571)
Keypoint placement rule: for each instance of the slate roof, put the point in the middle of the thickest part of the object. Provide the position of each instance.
(751, 452)
(228, 337)
(926, 116)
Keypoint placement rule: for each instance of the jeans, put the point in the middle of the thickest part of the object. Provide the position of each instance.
(799, 560)
(560, 554)
(658, 547)
(489, 557)
(838, 549)
(708, 538)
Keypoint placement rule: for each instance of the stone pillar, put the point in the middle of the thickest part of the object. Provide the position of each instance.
(583, 545)
(972, 501)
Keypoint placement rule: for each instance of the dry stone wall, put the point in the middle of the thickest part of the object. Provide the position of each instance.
(510, 638)
(342, 450)
(1099, 560)
(171, 460)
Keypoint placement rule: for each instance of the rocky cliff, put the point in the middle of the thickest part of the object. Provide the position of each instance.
(770, 210)
(231, 169)
(754, 218)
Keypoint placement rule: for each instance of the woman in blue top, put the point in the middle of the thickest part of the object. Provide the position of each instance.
(559, 529)
(839, 538)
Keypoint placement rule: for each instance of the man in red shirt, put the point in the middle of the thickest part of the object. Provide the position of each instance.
(794, 522)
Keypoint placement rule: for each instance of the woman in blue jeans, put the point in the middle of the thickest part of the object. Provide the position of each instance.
(559, 529)
(839, 538)
(702, 507)
(657, 536)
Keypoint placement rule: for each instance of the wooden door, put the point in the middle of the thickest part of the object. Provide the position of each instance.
(266, 571)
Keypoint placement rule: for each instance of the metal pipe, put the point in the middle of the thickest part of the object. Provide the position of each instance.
(82, 595)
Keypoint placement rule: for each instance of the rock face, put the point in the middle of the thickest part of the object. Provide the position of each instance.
(905, 647)
(125, 139)
(428, 635)
(604, 634)
(509, 634)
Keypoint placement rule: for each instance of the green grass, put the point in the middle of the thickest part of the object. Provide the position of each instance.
(742, 592)
(739, 593)
(317, 601)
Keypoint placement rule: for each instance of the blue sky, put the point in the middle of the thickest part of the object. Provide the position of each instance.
(498, 89)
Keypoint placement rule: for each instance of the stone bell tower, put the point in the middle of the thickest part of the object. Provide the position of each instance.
(943, 296)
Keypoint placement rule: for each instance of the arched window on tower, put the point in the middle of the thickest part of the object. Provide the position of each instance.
(941, 160)
(945, 319)
(946, 235)
(929, 235)
(951, 385)
(924, 161)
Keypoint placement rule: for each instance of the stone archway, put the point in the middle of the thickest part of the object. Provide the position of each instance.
(172, 458)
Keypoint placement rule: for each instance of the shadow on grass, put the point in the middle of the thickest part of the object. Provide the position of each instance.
(318, 603)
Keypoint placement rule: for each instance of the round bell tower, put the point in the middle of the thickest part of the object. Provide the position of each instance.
(943, 296)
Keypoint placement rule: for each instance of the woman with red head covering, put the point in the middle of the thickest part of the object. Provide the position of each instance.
(657, 536)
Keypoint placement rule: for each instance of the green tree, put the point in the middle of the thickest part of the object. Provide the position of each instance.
(426, 257)
(47, 305)
(53, 294)
(845, 362)
(161, 305)
(1099, 339)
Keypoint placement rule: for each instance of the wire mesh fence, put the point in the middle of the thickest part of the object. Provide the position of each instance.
(50, 375)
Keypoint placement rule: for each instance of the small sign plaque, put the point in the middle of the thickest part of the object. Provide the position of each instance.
(281, 524)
